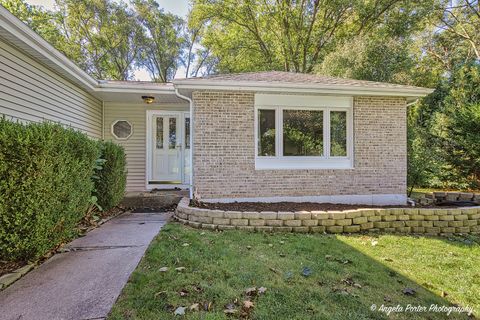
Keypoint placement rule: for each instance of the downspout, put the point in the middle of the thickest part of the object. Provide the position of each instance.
(103, 120)
(191, 138)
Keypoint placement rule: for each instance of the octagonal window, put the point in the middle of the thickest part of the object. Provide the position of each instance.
(122, 129)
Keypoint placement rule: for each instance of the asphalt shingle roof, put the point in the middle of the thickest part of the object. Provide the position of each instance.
(298, 78)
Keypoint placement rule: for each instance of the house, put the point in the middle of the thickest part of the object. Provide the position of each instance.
(262, 136)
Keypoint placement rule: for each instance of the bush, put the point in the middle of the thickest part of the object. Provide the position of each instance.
(45, 185)
(110, 181)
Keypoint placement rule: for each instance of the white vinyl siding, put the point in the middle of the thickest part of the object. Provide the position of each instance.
(30, 91)
(135, 145)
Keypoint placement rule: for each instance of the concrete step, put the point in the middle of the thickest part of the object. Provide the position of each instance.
(156, 200)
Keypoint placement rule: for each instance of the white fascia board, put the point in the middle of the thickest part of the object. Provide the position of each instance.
(300, 88)
(23, 33)
(125, 88)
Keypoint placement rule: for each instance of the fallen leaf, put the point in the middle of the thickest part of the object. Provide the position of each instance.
(409, 291)
(249, 247)
(270, 245)
(185, 244)
(273, 270)
(183, 293)
(444, 294)
(180, 311)
(195, 307)
(247, 304)
(328, 257)
(282, 242)
(388, 259)
(207, 306)
(306, 272)
(374, 243)
(251, 291)
(282, 255)
(163, 269)
(160, 293)
(387, 299)
(202, 233)
(262, 290)
(230, 309)
(180, 269)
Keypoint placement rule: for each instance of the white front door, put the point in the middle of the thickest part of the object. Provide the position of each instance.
(168, 151)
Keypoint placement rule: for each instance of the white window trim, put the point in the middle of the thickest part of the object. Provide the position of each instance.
(113, 133)
(295, 102)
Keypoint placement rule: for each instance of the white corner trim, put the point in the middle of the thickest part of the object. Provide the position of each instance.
(369, 199)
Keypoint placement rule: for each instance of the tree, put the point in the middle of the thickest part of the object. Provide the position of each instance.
(295, 36)
(102, 36)
(370, 58)
(38, 19)
(162, 49)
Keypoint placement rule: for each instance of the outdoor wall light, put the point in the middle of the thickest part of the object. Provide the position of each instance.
(148, 99)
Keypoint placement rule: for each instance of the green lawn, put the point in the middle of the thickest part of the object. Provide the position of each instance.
(347, 275)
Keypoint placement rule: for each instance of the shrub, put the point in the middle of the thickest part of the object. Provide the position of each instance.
(45, 186)
(111, 179)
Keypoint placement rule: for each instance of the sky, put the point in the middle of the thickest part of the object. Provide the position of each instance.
(177, 7)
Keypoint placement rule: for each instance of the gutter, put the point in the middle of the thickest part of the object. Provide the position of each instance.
(190, 101)
(302, 88)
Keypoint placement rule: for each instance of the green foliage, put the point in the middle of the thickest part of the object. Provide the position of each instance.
(162, 49)
(46, 185)
(296, 35)
(446, 130)
(369, 58)
(111, 175)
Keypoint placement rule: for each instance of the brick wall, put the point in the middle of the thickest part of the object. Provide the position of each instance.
(224, 154)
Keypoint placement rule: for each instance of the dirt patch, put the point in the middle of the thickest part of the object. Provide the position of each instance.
(282, 206)
(9, 266)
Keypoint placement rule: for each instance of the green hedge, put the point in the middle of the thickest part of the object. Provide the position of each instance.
(110, 181)
(45, 186)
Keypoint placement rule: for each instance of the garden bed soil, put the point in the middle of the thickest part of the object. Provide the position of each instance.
(9, 266)
(283, 206)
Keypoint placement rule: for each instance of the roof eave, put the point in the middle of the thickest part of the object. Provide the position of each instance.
(300, 88)
(134, 88)
(38, 45)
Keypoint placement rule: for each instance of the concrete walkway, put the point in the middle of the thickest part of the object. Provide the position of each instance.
(85, 282)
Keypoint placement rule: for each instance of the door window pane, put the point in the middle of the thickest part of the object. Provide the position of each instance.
(159, 138)
(172, 133)
(187, 133)
(338, 133)
(266, 132)
(302, 133)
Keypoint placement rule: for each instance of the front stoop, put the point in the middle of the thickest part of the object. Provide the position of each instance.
(390, 220)
(153, 199)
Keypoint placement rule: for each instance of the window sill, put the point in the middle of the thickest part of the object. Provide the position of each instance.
(301, 163)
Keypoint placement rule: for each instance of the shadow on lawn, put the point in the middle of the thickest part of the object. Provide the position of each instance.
(306, 276)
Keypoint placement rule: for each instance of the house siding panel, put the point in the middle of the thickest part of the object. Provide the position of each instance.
(30, 91)
(224, 154)
(135, 145)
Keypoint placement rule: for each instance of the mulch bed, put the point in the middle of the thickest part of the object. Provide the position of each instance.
(282, 206)
(9, 266)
